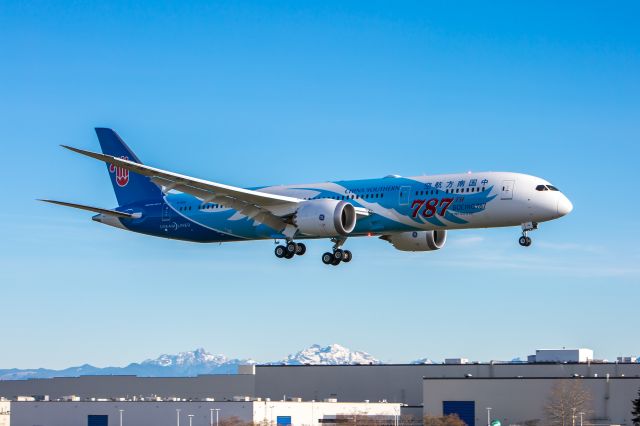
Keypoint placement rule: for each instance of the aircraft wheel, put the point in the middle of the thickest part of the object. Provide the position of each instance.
(347, 256)
(292, 247)
(289, 255)
(338, 254)
(301, 249)
(528, 241)
(280, 251)
(523, 241)
(327, 258)
(336, 261)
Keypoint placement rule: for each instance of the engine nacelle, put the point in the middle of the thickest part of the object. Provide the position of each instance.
(325, 218)
(417, 240)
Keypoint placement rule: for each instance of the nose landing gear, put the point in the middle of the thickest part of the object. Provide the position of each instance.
(525, 240)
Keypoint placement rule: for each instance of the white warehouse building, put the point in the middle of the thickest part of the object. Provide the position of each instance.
(193, 413)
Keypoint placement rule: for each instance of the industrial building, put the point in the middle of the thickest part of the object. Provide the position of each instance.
(525, 400)
(392, 382)
(194, 413)
(461, 387)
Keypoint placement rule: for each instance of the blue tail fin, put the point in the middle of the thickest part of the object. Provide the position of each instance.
(129, 187)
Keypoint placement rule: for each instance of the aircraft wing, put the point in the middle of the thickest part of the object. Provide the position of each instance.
(253, 204)
(261, 206)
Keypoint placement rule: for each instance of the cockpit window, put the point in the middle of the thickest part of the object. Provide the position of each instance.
(553, 188)
(541, 188)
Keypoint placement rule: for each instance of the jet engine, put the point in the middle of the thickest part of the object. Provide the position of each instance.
(325, 218)
(417, 240)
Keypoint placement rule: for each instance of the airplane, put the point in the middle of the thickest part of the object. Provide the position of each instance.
(411, 213)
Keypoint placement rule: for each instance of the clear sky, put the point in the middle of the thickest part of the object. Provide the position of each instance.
(250, 93)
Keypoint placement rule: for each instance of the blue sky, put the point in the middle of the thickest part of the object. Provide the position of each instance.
(251, 93)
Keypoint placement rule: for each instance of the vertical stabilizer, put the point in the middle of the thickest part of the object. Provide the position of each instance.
(128, 186)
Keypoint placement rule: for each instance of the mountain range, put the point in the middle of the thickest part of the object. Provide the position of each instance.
(199, 361)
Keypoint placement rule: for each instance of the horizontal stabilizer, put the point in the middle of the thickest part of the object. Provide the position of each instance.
(98, 210)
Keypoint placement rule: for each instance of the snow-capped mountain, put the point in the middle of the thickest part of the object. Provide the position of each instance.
(199, 356)
(329, 355)
(189, 363)
(199, 361)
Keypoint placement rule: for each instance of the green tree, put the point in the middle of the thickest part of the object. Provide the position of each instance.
(636, 410)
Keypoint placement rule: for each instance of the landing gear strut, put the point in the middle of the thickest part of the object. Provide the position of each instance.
(338, 255)
(525, 240)
(291, 249)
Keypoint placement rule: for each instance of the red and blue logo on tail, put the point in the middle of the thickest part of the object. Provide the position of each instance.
(122, 175)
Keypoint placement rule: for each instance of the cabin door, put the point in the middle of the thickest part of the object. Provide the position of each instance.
(507, 190)
(403, 199)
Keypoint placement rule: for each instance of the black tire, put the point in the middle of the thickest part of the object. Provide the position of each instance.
(301, 249)
(529, 241)
(523, 241)
(336, 262)
(347, 256)
(338, 254)
(327, 258)
(292, 247)
(280, 251)
(289, 255)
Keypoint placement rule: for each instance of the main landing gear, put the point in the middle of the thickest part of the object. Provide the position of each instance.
(335, 257)
(291, 249)
(525, 240)
(338, 255)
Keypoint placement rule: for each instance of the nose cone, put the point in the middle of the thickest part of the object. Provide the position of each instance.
(564, 205)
